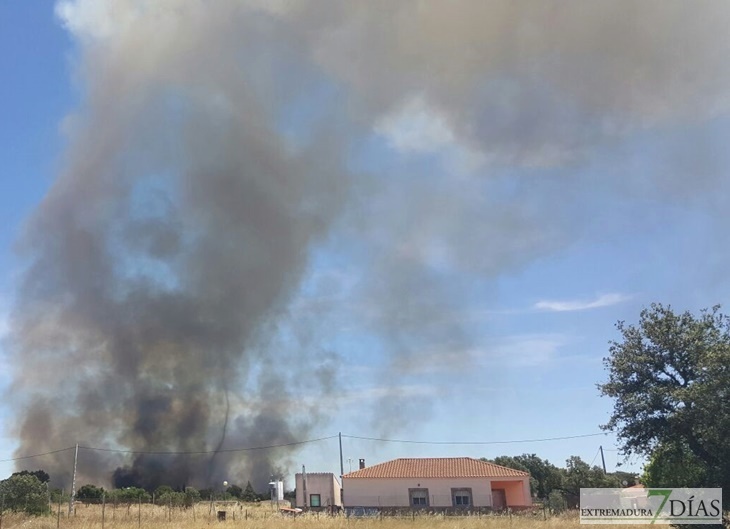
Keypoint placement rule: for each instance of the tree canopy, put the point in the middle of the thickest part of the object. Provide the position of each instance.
(90, 492)
(42, 475)
(235, 491)
(24, 493)
(249, 494)
(669, 376)
(544, 476)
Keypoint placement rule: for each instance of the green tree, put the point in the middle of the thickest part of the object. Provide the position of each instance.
(674, 466)
(206, 494)
(579, 474)
(59, 496)
(42, 475)
(544, 476)
(171, 498)
(131, 495)
(670, 382)
(24, 493)
(249, 494)
(90, 492)
(629, 477)
(507, 461)
(235, 491)
(162, 490)
(192, 496)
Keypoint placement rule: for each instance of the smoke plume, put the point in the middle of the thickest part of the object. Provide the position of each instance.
(211, 160)
(177, 231)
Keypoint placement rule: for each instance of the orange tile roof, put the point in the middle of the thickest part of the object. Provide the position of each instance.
(436, 467)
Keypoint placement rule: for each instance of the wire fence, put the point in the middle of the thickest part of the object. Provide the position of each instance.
(144, 512)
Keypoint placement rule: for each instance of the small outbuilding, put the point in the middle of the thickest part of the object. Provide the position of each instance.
(437, 484)
(318, 491)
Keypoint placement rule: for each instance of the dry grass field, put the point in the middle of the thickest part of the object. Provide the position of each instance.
(263, 517)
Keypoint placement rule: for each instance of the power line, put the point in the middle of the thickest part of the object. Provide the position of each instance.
(203, 452)
(595, 456)
(37, 455)
(474, 442)
(296, 443)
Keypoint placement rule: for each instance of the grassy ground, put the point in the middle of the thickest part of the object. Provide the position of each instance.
(262, 516)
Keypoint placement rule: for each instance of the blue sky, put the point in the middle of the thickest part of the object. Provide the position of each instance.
(35, 94)
(490, 236)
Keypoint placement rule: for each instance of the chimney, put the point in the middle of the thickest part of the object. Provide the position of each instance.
(362, 464)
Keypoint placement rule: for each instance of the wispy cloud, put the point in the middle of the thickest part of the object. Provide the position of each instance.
(604, 300)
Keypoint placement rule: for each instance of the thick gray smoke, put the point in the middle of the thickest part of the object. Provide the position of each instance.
(162, 263)
(171, 241)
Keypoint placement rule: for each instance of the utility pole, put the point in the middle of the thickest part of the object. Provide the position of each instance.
(73, 482)
(603, 459)
(304, 485)
(342, 464)
(342, 473)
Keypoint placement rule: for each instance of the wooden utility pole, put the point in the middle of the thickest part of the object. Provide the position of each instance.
(342, 465)
(603, 459)
(304, 485)
(72, 499)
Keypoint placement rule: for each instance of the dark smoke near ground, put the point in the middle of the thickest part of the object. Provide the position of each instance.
(208, 163)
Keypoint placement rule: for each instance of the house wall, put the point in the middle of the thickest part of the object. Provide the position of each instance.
(394, 492)
(323, 483)
(515, 491)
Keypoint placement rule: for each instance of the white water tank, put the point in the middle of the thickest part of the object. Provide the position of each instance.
(277, 490)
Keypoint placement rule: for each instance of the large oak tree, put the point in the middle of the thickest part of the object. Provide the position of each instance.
(669, 377)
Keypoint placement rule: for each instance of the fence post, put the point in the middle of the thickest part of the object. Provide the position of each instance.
(2, 510)
(103, 509)
(139, 512)
(58, 516)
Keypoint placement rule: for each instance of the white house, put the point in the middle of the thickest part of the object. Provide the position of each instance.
(317, 490)
(438, 483)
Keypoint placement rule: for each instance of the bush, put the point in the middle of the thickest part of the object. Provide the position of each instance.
(129, 495)
(192, 496)
(90, 492)
(556, 501)
(24, 493)
(171, 498)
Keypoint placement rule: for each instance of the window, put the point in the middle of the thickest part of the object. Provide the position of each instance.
(315, 500)
(461, 497)
(419, 497)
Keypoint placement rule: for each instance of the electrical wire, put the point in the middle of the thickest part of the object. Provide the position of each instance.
(37, 455)
(474, 442)
(595, 456)
(203, 452)
(307, 441)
